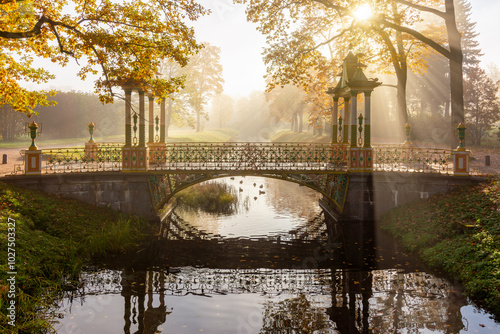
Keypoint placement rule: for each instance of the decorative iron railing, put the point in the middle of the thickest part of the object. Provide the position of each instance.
(248, 156)
(401, 158)
(99, 158)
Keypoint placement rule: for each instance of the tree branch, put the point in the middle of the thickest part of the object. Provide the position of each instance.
(392, 50)
(442, 50)
(329, 4)
(37, 29)
(61, 46)
(325, 42)
(421, 8)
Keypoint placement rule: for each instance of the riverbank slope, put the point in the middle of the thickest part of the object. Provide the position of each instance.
(45, 241)
(457, 233)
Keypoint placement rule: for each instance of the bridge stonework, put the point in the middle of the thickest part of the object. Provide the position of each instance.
(353, 196)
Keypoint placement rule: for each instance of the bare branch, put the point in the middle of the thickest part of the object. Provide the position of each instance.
(422, 8)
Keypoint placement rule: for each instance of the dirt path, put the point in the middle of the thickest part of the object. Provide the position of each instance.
(13, 158)
(478, 161)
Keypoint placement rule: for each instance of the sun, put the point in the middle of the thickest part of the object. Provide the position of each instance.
(364, 12)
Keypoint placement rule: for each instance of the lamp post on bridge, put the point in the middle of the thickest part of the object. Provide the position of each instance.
(460, 154)
(33, 156)
(91, 145)
(352, 83)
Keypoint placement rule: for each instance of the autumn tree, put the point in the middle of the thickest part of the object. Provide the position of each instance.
(251, 117)
(203, 80)
(390, 23)
(467, 27)
(222, 110)
(482, 105)
(120, 40)
(288, 104)
(176, 107)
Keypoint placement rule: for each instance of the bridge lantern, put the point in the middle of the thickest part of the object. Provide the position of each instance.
(33, 156)
(461, 136)
(91, 127)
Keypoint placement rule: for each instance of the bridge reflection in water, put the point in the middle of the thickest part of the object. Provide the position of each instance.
(314, 282)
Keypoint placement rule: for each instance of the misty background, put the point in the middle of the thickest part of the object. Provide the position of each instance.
(233, 92)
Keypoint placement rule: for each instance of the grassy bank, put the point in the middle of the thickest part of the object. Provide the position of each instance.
(54, 238)
(210, 197)
(215, 135)
(459, 234)
(285, 136)
(42, 142)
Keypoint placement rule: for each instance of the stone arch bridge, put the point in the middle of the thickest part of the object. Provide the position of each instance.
(395, 174)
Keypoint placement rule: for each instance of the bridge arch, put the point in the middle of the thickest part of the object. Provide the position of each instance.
(333, 186)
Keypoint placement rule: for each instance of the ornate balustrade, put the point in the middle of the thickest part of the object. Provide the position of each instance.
(248, 156)
(99, 158)
(402, 158)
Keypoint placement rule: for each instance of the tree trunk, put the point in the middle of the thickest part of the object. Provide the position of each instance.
(198, 120)
(456, 72)
(402, 76)
(168, 116)
(447, 108)
(401, 68)
(294, 123)
(301, 120)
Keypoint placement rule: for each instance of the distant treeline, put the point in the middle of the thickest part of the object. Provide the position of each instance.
(68, 119)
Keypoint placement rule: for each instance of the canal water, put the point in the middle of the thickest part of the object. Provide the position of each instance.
(273, 264)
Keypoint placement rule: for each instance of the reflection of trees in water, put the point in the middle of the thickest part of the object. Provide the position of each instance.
(290, 197)
(414, 301)
(211, 196)
(296, 315)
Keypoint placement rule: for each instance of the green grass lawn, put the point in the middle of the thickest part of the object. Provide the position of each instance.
(216, 135)
(285, 136)
(459, 234)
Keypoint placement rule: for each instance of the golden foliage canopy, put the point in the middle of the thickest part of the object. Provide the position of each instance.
(120, 40)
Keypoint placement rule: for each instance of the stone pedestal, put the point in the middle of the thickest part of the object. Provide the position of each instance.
(135, 159)
(360, 159)
(33, 162)
(461, 162)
